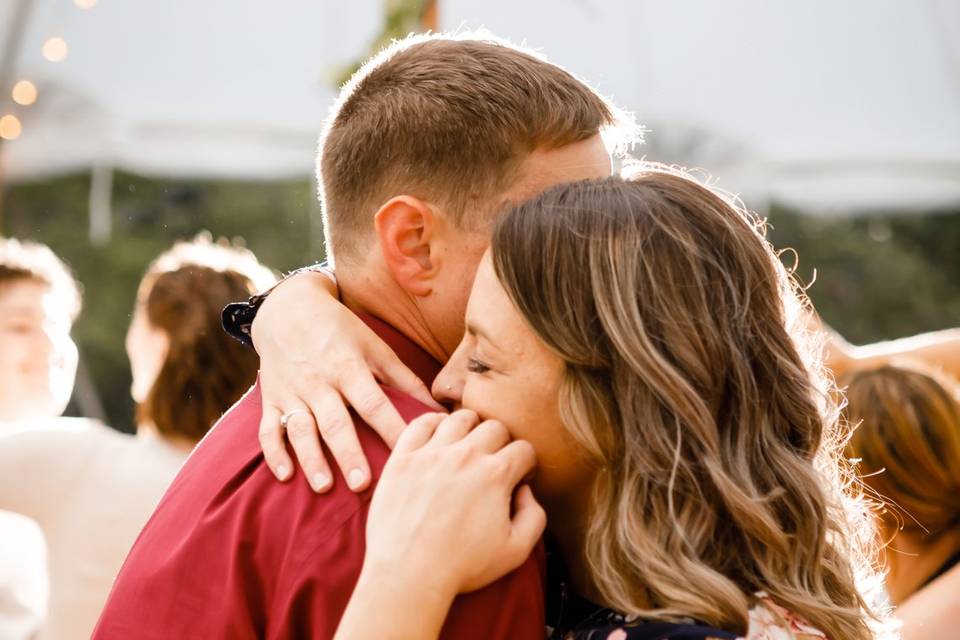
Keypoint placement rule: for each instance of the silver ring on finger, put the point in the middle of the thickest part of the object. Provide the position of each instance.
(285, 418)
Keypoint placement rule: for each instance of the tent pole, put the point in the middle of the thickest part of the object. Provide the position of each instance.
(101, 193)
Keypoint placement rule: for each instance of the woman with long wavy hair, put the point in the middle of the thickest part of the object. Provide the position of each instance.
(641, 338)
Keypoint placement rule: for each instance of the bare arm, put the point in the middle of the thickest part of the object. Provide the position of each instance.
(932, 612)
(940, 349)
(443, 521)
(387, 605)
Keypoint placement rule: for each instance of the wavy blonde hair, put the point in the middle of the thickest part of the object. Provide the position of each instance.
(691, 383)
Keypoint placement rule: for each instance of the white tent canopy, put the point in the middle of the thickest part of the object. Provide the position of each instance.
(825, 105)
(218, 88)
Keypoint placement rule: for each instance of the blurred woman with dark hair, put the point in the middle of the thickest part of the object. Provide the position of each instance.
(90, 488)
(908, 446)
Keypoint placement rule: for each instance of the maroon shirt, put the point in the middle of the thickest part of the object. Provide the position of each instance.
(231, 552)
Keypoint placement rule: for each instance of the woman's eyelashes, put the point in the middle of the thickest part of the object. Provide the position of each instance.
(475, 366)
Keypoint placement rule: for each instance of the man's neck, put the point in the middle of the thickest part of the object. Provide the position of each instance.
(378, 296)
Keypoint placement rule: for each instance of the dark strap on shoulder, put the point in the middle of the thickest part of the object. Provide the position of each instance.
(237, 317)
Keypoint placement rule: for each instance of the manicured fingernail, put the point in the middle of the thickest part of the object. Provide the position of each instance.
(355, 478)
(319, 481)
(282, 472)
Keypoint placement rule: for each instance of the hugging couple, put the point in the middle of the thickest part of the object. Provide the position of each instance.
(642, 442)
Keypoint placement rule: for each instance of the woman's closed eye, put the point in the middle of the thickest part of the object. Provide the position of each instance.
(475, 366)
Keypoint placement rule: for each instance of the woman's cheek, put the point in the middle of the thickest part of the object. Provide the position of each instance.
(491, 400)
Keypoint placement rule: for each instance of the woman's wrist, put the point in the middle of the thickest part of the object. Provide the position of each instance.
(294, 289)
(238, 318)
(388, 599)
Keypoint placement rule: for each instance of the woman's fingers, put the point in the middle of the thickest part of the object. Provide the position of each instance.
(361, 391)
(301, 431)
(271, 441)
(418, 432)
(339, 433)
(489, 436)
(515, 462)
(527, 525)
(454, 427)
(391, 371)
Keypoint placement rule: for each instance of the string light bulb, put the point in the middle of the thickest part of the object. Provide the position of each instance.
(24, 93)
(55, 49)
(10, 127)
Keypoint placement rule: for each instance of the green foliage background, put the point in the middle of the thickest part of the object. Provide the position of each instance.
(877, 277)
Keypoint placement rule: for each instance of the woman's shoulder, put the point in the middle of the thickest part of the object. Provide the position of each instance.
(933, 611)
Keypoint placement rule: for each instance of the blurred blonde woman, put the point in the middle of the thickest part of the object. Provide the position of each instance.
(908, 445)
(39, 300)
(91, 488)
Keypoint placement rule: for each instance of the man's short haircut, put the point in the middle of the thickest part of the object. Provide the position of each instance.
(446, 118)
(25, 260)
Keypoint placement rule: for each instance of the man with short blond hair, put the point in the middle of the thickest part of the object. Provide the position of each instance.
(426, 143)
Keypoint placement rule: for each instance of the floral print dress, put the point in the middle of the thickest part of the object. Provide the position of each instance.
(570, 617)
(768, 621)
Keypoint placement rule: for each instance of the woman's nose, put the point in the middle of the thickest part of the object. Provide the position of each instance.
(448, 386)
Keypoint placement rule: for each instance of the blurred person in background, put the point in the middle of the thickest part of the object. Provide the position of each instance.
(39, 300)
(91, 488)
(908, 446)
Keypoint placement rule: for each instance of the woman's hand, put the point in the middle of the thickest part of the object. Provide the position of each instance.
(315, 356)
(447, 491)
(445, 519)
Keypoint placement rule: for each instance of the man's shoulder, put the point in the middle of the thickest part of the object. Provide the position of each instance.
(227, 474)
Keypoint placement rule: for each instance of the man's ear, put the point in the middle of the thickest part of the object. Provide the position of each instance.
(406, 227)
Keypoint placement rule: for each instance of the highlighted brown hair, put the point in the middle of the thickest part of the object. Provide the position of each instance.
(688, 384)
(205, 371)
(907, 441)
(446, 118)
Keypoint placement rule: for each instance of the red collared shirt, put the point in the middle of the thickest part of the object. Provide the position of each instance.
(231, 552)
